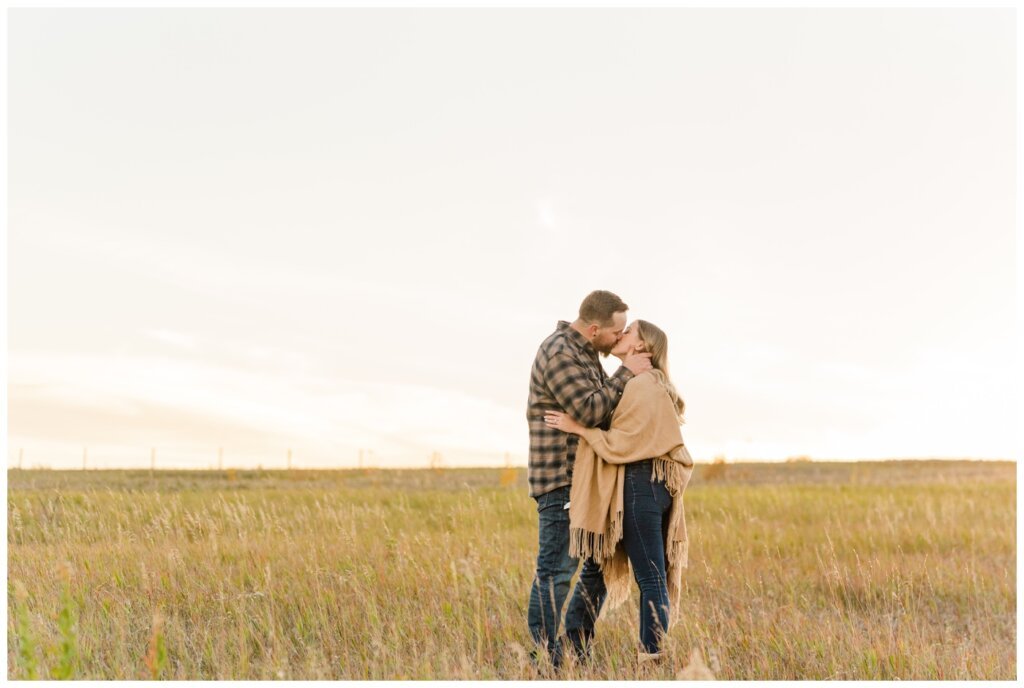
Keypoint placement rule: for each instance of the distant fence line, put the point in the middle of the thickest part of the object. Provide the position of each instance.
(366, 459)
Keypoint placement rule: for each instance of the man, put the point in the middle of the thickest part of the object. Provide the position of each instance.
(568, 376)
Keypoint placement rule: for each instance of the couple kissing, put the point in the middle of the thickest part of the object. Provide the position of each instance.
(607, 469)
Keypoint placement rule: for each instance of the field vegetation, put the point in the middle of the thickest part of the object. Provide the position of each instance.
(799, 570)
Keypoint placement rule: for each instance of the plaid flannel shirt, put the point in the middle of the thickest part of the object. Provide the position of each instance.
(567, 376)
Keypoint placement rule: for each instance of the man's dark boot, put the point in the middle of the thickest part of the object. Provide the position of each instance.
(557, 656)
(581, 641)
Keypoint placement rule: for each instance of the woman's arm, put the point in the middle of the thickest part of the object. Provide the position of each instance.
(562, 421)
(643, 426)
(614, 444)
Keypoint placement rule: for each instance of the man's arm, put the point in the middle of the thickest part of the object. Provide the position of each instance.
(576, 392)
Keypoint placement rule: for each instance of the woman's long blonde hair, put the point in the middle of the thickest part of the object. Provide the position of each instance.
(657, 343)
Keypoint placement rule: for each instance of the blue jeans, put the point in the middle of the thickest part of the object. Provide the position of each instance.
(645, 515)
(551, 583)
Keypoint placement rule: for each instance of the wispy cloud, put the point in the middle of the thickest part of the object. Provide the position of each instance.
(176, 339)
(124, 397)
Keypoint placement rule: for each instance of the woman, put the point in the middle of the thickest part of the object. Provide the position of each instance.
(625, 504)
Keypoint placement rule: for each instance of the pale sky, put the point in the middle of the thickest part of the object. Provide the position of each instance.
(337, 229)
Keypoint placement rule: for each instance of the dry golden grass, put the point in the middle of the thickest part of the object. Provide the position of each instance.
(801, 570)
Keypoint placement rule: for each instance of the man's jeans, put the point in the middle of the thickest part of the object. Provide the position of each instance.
(551, 584)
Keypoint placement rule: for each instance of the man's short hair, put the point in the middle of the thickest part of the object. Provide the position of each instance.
(599, 306)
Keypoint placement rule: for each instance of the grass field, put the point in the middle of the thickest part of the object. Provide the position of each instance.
(804, 570)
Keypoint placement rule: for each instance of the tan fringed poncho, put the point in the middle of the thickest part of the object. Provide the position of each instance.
(644, 426)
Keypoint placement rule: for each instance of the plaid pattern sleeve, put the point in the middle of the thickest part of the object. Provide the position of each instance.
(566, 376)
(585, 395)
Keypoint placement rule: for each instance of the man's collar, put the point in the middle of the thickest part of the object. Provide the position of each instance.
(575, 336)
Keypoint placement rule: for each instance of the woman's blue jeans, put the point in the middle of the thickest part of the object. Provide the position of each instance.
(645, 515)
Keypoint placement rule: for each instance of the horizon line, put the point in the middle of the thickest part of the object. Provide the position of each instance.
(285, 469)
